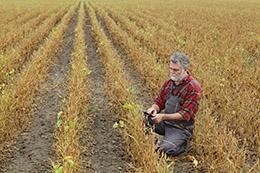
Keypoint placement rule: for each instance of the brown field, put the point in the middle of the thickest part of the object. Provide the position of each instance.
(71, 70)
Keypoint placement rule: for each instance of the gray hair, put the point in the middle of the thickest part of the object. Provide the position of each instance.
(182, 58)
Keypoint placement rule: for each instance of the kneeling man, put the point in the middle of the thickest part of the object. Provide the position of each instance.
(174, 109)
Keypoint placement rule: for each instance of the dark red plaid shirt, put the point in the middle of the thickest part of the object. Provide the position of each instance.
(189, 97)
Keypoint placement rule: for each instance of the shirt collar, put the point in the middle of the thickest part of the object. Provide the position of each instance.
(184, 81)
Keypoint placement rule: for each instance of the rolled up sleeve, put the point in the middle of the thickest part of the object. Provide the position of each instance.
(161, 98)
(190, 106)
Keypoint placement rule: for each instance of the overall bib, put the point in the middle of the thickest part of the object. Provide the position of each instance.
(176, 133)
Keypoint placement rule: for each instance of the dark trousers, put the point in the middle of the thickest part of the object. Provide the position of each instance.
(175, 138)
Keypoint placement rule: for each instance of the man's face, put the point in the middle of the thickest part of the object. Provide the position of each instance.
(176, 71)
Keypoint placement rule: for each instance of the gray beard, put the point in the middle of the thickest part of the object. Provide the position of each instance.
(177, 78)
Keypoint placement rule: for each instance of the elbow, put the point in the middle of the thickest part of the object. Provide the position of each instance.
(185, 116)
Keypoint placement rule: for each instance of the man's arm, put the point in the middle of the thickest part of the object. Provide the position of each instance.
(188, 111)
(172, 117)
(167, 117)
(159, 100)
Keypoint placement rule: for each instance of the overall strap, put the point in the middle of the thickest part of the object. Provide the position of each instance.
(178, 95)
(170, 88)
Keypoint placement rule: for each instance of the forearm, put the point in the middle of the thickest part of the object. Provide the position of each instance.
(172, 117)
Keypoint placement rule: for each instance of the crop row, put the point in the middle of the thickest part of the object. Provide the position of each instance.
(13, 61)
(9, 15)
(70, 123)
(16, 23)
(125, 104)
(151, 37)
(17, 34)
(16, 102)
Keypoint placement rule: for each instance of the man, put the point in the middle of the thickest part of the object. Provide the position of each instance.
(173, 111)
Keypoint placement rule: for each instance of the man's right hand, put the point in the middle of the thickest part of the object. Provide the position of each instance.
(152, 110)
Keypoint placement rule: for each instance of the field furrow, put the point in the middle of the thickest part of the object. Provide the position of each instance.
(13, 61)
(15, 36)
(103, 149)
(17, 102)
(164, 37)
(125, 104)
(17, 22)
(8, 16)
(73, 118)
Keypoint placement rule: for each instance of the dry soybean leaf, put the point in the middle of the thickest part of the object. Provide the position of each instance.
(73, 122)
(12, 72)
(66, 128)
(195, 162)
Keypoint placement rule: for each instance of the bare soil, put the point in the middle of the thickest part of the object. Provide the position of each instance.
(105, 153)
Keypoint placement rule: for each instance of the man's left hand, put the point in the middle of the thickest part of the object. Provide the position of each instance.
(158, 118)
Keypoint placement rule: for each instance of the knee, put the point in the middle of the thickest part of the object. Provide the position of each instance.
(159, 128)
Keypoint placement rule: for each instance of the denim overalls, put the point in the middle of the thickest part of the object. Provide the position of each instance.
(176, 133)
